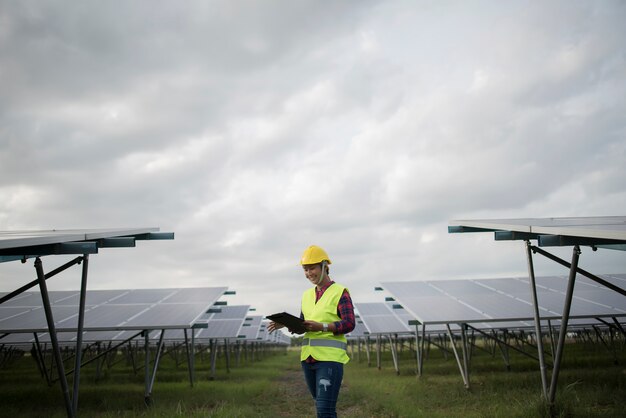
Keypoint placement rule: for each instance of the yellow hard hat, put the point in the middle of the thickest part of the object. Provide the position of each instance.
(314, 255)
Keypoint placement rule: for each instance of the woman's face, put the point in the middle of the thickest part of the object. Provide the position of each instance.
(313, 272)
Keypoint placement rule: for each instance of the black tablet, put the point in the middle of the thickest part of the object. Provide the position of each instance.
(294, 323)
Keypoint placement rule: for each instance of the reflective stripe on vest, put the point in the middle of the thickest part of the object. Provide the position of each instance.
(324, 343)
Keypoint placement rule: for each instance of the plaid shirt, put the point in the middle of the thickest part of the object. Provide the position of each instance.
(345, 310)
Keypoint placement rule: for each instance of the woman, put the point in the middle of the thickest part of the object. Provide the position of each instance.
(328, 314)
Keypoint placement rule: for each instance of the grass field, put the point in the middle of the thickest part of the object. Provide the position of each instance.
(590, 385)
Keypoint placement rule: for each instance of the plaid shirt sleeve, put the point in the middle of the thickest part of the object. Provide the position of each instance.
(345, 310)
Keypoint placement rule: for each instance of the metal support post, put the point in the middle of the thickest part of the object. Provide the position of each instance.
(213, 344)
(41, 362)
(456, 355)
(189, 355)
(394, 353)
(552, 342)
(146, 338)
(504, 349)
(79, 331)
(53, 336)
(619, 326)
(157, 358)
(227, 354)
(418, 353)
(465, 352)
(378, 352)
(564, 320)
(533, 291)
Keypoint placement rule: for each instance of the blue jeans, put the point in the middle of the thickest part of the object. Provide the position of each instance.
(324, 381)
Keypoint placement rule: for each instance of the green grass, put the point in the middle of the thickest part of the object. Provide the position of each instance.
(590, 385)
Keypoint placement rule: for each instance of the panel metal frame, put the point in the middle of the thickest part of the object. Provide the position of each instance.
(605, 232)
(22, 245)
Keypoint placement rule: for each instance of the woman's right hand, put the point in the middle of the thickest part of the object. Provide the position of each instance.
(273, 326)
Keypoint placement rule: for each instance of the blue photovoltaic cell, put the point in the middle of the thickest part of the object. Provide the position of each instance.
(251, 331)
(145, 296)
(505, 299)
(360, 330)
(379, 318)
(370, 309)
(224, 328)
(136, 309)
(227, 323)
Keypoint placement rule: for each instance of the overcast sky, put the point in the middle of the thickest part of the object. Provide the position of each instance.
(253, 129)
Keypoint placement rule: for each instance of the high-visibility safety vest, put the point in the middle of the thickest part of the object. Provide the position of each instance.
(323, 346)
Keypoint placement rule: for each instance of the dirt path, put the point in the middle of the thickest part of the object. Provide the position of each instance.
(294, 394)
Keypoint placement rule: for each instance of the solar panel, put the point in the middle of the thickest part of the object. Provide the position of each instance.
(504, 299)
(108, 310)
(379, 318)
(13, 239)
(250, 328)
(607, 227)
(16, 245)
(226, 323)
(359, 329)
(573, 299)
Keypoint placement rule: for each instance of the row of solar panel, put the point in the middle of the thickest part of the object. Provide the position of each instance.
(488, 304)
(116, 315)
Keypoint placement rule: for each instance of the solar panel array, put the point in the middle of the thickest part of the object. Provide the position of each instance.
(226, 323)
(603, 227)
(19, 245)
(250, 328)
(380, 318)
(110, 310)
(360, 330)
(486, 301)
(277, 337)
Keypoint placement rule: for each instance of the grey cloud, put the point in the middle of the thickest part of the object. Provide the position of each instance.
(253, 129)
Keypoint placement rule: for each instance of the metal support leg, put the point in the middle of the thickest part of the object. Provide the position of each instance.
(378, 352)
(213, 344)
(465, 352)
(421, 349)
(79, 332)
(132, 354)
(227, 354)
(41, 362)
(533, 291)
(53, 336)
(418, 353)
(189, 355)
(564, 320)
(619, 326)
(504, 349)
(456, 355)
(157, 358)
(552, 342)
(394, 354)
(146, 338)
